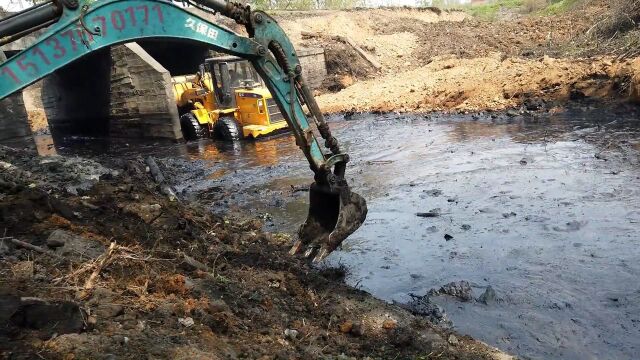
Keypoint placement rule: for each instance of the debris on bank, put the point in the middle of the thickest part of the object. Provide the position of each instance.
(96, 261)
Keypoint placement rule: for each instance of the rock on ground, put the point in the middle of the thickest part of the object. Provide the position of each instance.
(458, 289)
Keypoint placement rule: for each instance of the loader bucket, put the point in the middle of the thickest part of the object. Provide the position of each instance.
(333, 216)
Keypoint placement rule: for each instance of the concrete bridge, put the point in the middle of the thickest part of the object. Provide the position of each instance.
(124, 91)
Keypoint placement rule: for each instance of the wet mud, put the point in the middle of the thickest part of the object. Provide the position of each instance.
(98, 261)
(538, 214)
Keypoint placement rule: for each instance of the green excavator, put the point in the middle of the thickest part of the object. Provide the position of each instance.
(75, 28)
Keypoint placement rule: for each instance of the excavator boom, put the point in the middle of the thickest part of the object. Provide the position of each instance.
(79, 27)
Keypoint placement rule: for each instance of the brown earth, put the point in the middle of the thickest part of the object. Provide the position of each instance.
(486, 83)
(129, 272)
(402, 39)
(447, 61)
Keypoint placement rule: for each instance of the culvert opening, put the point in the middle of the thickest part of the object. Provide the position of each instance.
(116, 92)
(75, 99)
(179, 58)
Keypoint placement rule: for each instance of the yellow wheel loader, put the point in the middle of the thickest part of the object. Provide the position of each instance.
(80, 27)
(226, 99)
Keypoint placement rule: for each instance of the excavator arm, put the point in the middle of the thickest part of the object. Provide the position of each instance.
(79, 27)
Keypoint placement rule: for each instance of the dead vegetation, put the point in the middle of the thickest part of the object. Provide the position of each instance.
(614, 31)
(622, 17)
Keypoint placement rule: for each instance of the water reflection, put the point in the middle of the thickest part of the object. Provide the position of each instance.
(600, 127)
(263, 152)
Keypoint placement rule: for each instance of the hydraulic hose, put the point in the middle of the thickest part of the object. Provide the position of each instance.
(23, 22)
(234, 10)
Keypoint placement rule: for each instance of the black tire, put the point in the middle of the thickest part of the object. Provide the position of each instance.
(227, 128)
(191, 128)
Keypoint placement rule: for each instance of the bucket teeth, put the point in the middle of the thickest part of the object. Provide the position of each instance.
(322, 254)
(295, 249)
(311, 250)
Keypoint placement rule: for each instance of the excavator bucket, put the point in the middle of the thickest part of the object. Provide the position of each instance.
(333, 216)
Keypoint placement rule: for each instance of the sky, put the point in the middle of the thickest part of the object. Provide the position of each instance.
(11, 5)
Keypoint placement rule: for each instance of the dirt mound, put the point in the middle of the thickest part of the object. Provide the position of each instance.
(522, 37)
(486, 83)
(344, 67)
(359, 24)
(171, 281)
(402, 39)
(363, 27)
(451, 62)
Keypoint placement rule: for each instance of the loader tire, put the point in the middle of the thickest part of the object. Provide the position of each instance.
(191, 128)
(228, 129)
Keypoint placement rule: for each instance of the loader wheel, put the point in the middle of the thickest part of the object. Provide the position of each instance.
(191, 128)
(227, 128)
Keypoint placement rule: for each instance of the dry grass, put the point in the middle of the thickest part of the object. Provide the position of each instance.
(531, 6)
(622, 17)
(615, 32)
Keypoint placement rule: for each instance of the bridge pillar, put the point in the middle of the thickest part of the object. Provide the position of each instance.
(118, 92)
(13, 116)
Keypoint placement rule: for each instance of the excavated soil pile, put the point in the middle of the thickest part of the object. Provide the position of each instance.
(447, 61)
(488, 84)
(366, 29)
(99, 262)
(403, 39)
(344, 66)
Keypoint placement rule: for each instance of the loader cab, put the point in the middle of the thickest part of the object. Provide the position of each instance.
(227, 75)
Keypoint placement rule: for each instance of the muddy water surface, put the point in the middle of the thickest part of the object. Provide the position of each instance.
(545, 210)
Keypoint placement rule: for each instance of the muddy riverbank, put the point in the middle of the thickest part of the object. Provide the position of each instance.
(541, 207)
(492, 83)
(98, 261)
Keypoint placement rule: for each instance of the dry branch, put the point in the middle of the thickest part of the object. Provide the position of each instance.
(101, 262)
(39, 249)
(190, 263)
(370, 59)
